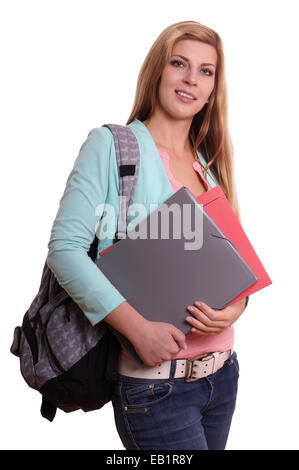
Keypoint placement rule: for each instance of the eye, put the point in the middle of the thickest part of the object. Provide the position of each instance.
(210, 72)
(176, 62)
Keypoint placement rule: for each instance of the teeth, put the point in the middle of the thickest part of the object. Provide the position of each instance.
(184, 94)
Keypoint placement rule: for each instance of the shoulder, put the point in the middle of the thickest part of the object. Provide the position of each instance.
(99, 136)
(94, 153)
(98, 142)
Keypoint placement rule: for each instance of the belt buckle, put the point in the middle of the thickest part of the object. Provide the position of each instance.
(190, 366)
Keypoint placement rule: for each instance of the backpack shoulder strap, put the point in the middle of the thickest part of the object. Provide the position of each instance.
(127, 156)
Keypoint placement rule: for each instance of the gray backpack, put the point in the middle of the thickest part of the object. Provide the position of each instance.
(69, 361)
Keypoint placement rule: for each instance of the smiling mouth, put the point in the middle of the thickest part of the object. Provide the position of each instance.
(185, 95)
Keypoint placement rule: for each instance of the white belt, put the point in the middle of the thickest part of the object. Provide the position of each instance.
(192, 369)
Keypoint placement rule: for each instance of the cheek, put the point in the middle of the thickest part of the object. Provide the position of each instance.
(166, 89)
(208, 87)
(169, 78)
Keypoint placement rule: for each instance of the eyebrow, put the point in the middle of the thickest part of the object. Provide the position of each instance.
(185, 58)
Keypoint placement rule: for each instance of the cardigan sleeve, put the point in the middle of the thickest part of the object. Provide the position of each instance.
(75, 226)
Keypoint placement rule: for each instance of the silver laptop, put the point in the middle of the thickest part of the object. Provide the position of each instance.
(161, 276)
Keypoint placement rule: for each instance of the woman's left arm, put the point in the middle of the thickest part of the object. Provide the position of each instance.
(207, 321)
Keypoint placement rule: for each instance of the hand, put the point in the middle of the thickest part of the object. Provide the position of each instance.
(154, 342)
(207, 321)
(158, 342)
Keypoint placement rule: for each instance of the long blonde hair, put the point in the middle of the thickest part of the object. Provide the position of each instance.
(209, 128)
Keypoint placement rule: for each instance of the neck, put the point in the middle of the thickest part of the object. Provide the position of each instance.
(171, 135)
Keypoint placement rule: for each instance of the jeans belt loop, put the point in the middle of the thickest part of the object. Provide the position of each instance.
(214, 362)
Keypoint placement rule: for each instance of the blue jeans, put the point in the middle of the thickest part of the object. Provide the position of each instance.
(171, 414)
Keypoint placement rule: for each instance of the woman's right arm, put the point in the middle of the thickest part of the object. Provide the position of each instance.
(154, 342)
(73, 232)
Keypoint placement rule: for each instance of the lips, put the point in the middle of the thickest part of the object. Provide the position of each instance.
(187, 93)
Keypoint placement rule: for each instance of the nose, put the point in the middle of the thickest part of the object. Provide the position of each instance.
(190, 77)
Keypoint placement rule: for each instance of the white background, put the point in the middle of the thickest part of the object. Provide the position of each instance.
(69, 66)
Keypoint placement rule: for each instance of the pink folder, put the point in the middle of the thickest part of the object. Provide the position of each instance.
(218, 208)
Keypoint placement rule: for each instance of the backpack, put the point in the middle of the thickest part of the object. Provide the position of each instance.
(69, 361)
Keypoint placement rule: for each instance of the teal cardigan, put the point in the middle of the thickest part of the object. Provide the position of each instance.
(92, 182)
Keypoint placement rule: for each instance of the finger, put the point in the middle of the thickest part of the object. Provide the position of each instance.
(198, 325)
(179, 337)
(214, 315)
(202, 330)
(206, 331)
(206, 309)
(203, 318)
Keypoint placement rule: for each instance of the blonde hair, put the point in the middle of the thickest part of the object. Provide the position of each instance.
(209, 128)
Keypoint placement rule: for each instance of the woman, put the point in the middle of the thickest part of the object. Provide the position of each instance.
(180, 121)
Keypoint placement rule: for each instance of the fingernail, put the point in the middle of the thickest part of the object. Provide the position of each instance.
(198, 304)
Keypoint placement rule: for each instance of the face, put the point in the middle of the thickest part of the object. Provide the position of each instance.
(190, 69)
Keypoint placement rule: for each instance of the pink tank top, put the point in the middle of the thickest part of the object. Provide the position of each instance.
(196, 344)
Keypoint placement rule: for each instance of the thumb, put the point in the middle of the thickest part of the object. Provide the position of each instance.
(179, 337)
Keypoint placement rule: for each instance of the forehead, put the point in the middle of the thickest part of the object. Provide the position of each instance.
(196, 51)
